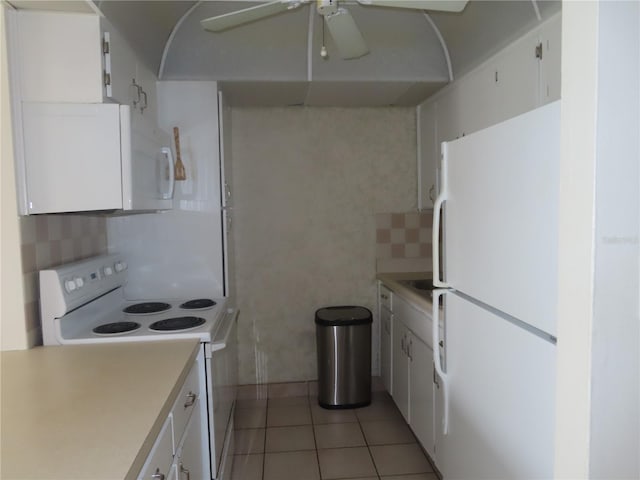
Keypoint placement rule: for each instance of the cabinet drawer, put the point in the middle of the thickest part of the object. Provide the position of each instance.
(386, 298)
(185, 404)
(161, 456)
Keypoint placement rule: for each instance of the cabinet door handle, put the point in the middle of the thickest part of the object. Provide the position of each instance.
(135, 96)
(144, 96)
(185, 471)
(191, 399)
(158, 475)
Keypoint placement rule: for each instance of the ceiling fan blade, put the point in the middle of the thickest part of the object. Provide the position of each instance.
(345, 34)
(439, 5)
(247, 15)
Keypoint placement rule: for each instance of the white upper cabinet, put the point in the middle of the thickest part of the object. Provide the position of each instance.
(427, 155)
(60, 56)
(521, 77)
(119, 64)
(550, 43)
(516, 79)
(80, 58)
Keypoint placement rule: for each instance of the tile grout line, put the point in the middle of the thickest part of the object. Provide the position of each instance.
(315, 441)
(264, 442)
(366, 442)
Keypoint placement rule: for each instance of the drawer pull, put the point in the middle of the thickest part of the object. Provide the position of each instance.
(157, 475)
(191, 399)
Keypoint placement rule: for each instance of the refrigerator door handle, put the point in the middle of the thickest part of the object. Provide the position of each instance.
(437, 211)
(436, 357)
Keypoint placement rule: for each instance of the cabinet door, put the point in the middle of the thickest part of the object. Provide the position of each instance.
(550, 37)
(386, 321)
(400, 365)
(159, 461)
(421, 400)
(449, 110)
(516, 78)
(146, 79)
(190, 458)
(119, 64)
(428, 155)
(60, 57)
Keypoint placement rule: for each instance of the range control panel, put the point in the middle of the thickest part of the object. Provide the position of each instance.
(81, 278)
(69, 286)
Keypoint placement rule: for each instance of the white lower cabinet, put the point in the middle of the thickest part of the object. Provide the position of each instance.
(158, 464)
(188, 462)
(421, 393)
(412, 371)
(177, 453)
(400, 367)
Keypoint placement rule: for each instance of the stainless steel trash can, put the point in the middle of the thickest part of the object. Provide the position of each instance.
(343, 339)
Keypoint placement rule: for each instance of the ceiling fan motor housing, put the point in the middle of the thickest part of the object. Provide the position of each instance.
(327, 7)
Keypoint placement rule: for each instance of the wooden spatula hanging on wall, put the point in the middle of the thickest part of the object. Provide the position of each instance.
(180, 174)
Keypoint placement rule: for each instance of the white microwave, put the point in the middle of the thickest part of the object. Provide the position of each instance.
(94, 157)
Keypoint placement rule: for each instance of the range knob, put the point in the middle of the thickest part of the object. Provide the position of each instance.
(70, 286)
(107, 271)
(79, 282)
(120, 266)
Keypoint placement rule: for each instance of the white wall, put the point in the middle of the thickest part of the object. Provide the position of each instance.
(598, 421)
(307, 185)
(615, 361)
(12, 315)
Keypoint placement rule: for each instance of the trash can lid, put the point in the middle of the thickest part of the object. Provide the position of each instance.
(343, 316)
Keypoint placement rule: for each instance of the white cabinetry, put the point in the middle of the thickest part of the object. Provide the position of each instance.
(178, 450)
(401, 367)
(523, 76)
(385, 309)
(413, 387)
(427, 155)
(550, 42)
(79, 58)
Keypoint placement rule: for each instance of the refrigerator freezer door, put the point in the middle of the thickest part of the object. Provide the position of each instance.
(501, 389)
(501, 216)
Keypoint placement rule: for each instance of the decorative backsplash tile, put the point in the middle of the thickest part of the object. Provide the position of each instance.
(51, 240)
(403, 241)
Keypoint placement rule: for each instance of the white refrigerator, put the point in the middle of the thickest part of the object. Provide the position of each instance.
(499, 208)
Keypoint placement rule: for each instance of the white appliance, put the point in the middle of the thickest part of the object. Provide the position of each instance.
(84, 303)
(500, 197)
(84, 157)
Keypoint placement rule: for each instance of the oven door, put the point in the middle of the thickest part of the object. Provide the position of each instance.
(222, 380)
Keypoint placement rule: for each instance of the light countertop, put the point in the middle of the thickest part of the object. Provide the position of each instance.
(87, 411)
(392, 281)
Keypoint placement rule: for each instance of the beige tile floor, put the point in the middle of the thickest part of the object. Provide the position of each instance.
(292, 438)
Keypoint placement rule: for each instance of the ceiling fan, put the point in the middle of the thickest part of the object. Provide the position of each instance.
(346, 35)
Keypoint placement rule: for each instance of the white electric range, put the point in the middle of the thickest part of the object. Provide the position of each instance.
(84, 303)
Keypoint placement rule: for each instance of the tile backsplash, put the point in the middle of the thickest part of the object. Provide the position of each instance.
(403, 241)
(51, 240)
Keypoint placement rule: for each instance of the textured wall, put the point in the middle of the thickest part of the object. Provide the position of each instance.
(307, 185)
(51, 240)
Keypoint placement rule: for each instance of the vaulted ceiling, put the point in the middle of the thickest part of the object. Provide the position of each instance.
(276, 60)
